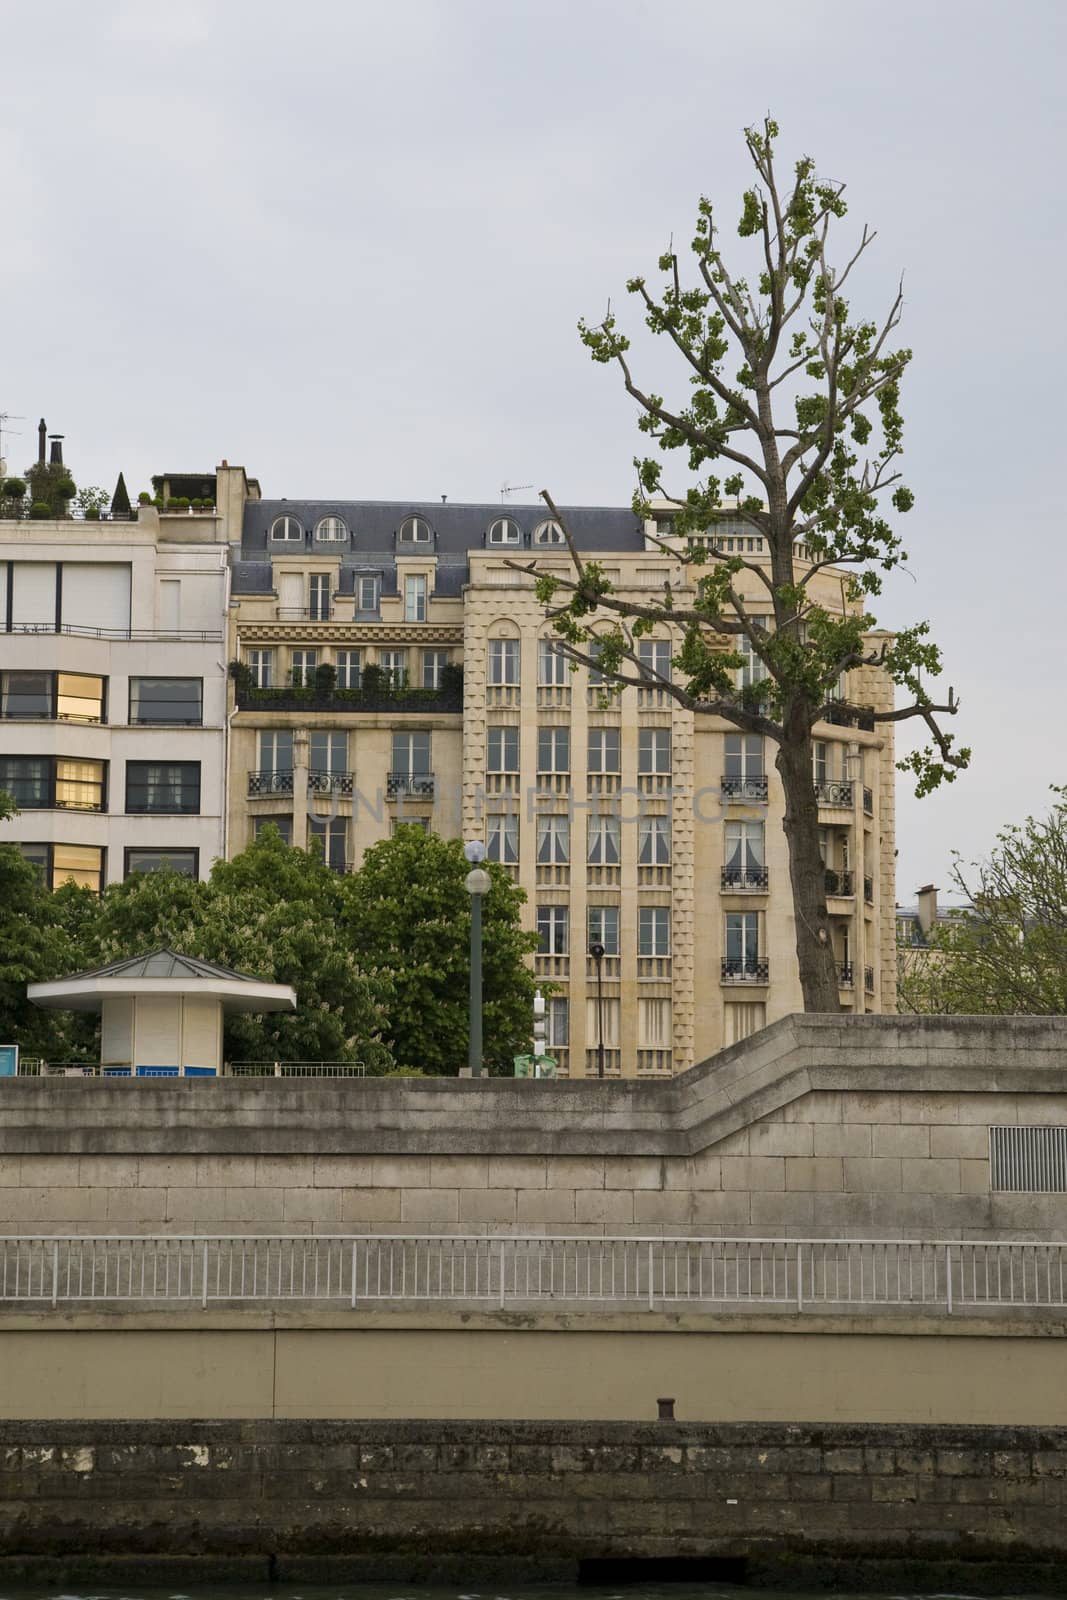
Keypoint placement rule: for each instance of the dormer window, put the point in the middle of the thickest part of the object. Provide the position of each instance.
(331, 530)
(286, 530)
(415, 530)
(504, 531)
(548, 533)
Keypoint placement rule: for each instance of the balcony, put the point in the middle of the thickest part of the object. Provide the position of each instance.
(352, 700)
(611, 969)
(746, 969)
(750, 789)
(553, 696)
(845, 976)
(267, 783)
(840, 884)
(409, 786)
(835, 792)
(745, 880)
(843, 715)
(329, 782)
(319, 613)
(654, 967)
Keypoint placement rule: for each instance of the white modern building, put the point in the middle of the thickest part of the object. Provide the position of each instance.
(113, 692)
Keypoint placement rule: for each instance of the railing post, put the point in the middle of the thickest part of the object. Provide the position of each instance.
(651, 1283)
(277, 1069)
(203, 1302)
(800, 1277)
(502, 1274)
(55, 1272)
(354, 1247)
(948, 1277)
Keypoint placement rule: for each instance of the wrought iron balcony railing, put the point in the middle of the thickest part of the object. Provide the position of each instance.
(280, 782)
(411, 785)
(754, 789)
(839, 883)
(329, 782)
(751, 880)
(834, 791)
(746, 969)
(844, 975)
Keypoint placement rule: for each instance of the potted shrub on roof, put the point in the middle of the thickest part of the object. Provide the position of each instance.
(14, 494)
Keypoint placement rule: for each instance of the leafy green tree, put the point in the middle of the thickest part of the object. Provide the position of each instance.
(796, 400)
(1006, 952)
(409, 915)
(275, 913)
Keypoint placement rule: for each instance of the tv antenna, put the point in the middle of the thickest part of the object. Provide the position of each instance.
(507, 489)
(5, 418)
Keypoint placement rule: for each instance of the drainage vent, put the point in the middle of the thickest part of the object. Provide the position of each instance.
(619, 1572)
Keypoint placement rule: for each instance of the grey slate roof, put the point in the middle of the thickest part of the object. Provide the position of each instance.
(163, 964)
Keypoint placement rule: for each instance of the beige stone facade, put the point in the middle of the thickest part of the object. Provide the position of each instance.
(625, 820)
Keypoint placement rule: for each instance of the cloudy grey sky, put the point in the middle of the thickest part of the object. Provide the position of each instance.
(347, 245)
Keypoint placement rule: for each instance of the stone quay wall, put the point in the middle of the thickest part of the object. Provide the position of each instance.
(296, 1500)
(824, 1126)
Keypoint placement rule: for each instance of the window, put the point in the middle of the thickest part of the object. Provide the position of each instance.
(82, 864)
(552, 667)
(28, 780)
(415, 530)
(820, 755)
(654, 931)
(752, 669)
(79, 785)
(504, 531)
(654, 842)
(261, 666)
(415, 597)
(604, 750)
(319, 597)
(553, 841)
(552, 928)
(171, 700)
(596, 677)
(368, 592)
(46, 696)
(742, 942)
(503, 661)
(284, 826)
(502, 841)
(654, 750)
(328, 752)
(411, 755)
(184, 862)
(501, 749)
(43, 783)
(348, 664)
(654, 656)
(603, 840)
(331, 530)
(654, 1024)
(553, 749)
(434, 663)
(743, 759)
(286, 529)
(332, 833)
(604, 928)
(275, 752)
(394, 664)
(302, 664)
(557, 1023)
(745, 860)
(548, 533)
(163, 786)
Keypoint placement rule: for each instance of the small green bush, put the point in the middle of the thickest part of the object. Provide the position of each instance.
(92, 514)
(66, 489)
(180, 503)
(40, 511)
(14, 488)
(144, 498)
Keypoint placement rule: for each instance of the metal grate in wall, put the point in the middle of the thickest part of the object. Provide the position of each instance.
(1031, 1159)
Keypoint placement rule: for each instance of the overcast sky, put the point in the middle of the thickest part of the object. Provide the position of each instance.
(347, 244)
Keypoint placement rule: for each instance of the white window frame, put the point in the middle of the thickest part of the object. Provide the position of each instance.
(415, 530)
(653, 931)
(505, 662)
(553, 667)
(415, 591)
(548, 532)
(554, 749)
(654, 751)
(553, 927)
(344, 663)
(502, 838)
(654, 656)
(654, 842)
(604, 840)
(507, 742)
(603, 737)
(603, 928)
(504, 531)
(553, 841)
(368, 587)
(260, 664)
(394, 665)
(331, 530)
(319, 596)
(434, 663)
(286, 530)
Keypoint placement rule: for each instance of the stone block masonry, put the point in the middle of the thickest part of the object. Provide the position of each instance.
(296, 1500)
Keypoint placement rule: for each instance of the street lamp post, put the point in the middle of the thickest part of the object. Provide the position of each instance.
(597, 953)
(477, 884)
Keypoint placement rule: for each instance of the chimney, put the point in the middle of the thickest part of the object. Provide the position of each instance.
(42, 432)
(927, 903)
(55, 458)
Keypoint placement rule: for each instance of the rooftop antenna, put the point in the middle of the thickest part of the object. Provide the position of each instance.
(5, 418)
(507, 489)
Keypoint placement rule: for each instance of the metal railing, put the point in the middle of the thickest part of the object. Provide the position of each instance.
(742, 879)
(322, 782)
(794, 1275)
(36, 1067)
(743, 788)
(840, 883)
(149, 635)
(413, 785)
(746, 969)
(295, 1069)
(834, 791)
(280, 782)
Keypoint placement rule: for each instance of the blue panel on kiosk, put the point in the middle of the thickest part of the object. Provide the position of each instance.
(158, 1072)
(9, 1060)
(201, 1072)
(115, 1072)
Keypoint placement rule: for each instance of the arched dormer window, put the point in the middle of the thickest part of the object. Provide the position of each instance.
(331, 530)
(504, 531)
(286, 530)
(548, 533)
(415, 530)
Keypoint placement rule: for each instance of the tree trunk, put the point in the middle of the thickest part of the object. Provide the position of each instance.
(816, 956)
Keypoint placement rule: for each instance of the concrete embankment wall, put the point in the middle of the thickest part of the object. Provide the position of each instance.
(502, 1365)
(829, 1126)
(297, 1500)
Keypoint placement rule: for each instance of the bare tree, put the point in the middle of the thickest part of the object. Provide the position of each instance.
(801, 404)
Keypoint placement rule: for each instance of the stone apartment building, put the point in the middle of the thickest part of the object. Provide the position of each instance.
(628, 823)
(113, 691)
